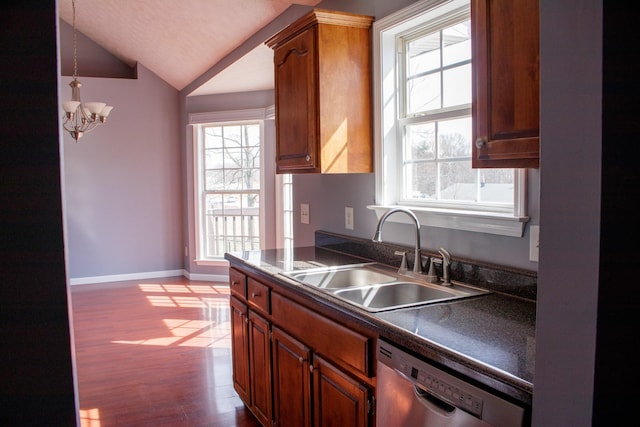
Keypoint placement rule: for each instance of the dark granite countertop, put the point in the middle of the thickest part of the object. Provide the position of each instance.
(490, 338)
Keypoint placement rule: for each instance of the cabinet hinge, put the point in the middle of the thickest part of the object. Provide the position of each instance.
(372, 405)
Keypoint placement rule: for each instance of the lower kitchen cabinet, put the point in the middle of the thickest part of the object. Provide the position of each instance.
(260, 368)
(240, 349)
(291, 381)
(293, 366)
(251, 355)
(339, 400)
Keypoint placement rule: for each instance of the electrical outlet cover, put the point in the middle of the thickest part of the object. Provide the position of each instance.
(348, 218)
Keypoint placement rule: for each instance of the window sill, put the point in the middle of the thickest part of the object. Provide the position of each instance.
(488, 223)
(211, 262)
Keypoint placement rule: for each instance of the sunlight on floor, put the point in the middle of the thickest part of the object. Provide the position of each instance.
(213, 332)
(90, 417)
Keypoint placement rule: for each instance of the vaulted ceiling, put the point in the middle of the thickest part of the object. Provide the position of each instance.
(180, 40)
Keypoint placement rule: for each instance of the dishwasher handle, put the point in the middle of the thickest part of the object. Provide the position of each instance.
(433, 402)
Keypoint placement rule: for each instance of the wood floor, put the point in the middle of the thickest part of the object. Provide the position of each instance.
(155, 353)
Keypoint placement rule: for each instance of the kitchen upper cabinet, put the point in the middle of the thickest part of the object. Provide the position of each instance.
(322, 65)
(506, 99)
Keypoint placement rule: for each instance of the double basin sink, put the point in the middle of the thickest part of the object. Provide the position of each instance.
(375, 287)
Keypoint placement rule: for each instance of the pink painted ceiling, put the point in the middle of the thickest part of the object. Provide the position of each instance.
(179, 40)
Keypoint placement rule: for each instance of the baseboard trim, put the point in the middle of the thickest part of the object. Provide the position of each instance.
(207, 277)
(124, 277)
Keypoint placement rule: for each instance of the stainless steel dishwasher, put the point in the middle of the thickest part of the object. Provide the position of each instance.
(414, 393)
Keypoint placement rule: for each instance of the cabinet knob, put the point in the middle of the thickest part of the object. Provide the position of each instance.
(481, 142)
(234, 283)
(308, 158)
(255, 294)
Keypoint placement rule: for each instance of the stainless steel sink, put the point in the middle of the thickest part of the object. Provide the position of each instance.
(343, 277)
(375, 287)
(404, 294)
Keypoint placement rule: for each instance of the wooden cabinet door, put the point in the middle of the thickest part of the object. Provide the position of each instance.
(260, 368)
(506, 98)
(296, 106)
(240, 349)
(291, 380)
(339, 400)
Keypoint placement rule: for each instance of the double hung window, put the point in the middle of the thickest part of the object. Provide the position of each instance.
(229, 181)
(423, 81)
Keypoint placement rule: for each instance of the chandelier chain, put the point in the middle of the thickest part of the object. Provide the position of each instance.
(75, 41)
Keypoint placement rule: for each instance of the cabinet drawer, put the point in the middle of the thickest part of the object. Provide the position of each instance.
(238, 284)
(258, 295)
(345, 347)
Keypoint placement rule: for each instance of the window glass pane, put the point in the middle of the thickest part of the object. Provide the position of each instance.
(420, 181)
(496, 185)
(454, 138)
(421, 142)
(232, 158)
(213, 204)
(214, 180)
(232, 136)
(423, 93)
(252, 136)
(423, 54)
(457, 43)
(457, 181)
(456, 84)
(213, 137)
(212, 158)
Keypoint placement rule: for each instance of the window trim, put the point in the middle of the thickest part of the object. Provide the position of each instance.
(222, 118)
(385, 114)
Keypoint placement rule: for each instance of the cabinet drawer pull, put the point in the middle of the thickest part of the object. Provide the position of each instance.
(481, 142)
(308, 158)
(255, 294)
(234, 283)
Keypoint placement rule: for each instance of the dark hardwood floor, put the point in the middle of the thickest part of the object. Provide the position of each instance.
(155, 353)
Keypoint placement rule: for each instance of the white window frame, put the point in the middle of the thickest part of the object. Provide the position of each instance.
(386, 137)
(222, 118)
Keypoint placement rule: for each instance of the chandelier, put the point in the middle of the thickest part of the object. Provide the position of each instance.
(80, 118)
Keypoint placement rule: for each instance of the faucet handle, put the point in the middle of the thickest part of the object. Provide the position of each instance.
(403, 263)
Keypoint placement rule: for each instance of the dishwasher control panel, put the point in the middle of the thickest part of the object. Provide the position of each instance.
(435, 384)
(452, 390)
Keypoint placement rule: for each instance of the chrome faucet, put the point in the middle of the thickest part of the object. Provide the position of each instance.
(377, 237)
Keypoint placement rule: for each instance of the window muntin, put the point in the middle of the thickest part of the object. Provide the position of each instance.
(230, 189)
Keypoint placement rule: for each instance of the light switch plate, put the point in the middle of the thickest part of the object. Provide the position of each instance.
(534, 242)
(304, 213)
(348, 217)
